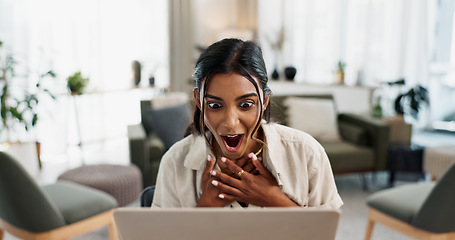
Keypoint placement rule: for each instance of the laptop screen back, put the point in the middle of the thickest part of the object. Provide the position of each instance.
(225, 223)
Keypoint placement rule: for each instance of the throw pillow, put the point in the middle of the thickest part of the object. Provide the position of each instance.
(169, 123)
(161, 101)
(315, 116)
(169, 100)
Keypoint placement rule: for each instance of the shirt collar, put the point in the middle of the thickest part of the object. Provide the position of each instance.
(197, 156)
(274, 149)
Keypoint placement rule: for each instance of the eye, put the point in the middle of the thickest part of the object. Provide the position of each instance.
(246, 105)
(214, 105)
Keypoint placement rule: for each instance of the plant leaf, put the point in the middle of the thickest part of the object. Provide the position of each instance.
(50, 94)
(35, 119)
(50, 73)
(399, 105)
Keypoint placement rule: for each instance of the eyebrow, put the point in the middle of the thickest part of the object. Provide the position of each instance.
(237, 99)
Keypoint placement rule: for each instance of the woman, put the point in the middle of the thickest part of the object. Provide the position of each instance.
(249, 161)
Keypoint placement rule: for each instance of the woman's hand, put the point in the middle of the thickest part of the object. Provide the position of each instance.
(210, 193)
(245, 163)
(260, 190)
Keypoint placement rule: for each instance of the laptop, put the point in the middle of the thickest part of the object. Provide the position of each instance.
(226, 223)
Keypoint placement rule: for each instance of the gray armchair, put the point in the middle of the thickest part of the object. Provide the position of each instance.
(364, 141)
(145, 147)
(163, 121)
(57, 211)
(421, 210)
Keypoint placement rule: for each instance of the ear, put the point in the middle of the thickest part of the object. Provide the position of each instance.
(266, 101)
(196, 98)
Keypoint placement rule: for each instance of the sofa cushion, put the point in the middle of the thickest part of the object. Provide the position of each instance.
(317, 117)
(160, 101)
(347, 157)
(170, 123)
(77, 202)
(401, 202)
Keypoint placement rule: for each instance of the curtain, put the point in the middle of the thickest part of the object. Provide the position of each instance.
(379, 40)
(182, 50)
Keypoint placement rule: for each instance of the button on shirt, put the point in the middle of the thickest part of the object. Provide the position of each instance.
(296, 160)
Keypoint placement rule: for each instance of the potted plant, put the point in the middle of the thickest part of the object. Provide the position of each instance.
(76, 83)
(411, 101)
(18, 106)
(340, 71)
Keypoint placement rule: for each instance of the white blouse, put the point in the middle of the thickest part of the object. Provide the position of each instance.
(296, 160)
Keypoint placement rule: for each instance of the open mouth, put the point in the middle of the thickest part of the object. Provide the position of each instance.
(232, 142)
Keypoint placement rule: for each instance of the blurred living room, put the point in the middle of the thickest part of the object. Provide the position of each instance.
(95, 92)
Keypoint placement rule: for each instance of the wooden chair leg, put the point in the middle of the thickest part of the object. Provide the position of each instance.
(112, 229)
(369, 230)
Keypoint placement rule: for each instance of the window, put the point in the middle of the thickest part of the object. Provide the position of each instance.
(384, 39)
(97, 37)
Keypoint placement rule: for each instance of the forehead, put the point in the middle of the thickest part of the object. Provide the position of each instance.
(230, 83)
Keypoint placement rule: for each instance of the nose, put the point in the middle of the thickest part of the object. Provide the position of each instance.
(231, 119)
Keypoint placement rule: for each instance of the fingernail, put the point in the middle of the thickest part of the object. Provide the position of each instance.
(221, 196)
(209, 158)
(253, 156)
(260, 159)
(213, 173)
(223, 159)
(215, 183)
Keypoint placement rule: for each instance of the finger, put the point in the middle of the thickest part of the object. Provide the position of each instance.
(227, 197)
(226, 179)
(223, 166)
(225, 169)
(209, 166)
(241, 163)
(259, 167)
(226, 188)
(249, 167)
(234, 168)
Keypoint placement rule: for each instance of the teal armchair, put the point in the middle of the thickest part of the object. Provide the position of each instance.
(56, 211)
(421, 210)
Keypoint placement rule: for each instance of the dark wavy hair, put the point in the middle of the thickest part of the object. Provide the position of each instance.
(230, 56)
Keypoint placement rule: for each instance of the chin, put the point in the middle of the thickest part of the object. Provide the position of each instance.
(233, 155)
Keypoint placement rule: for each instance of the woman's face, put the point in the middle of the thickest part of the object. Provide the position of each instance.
(231, 113)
